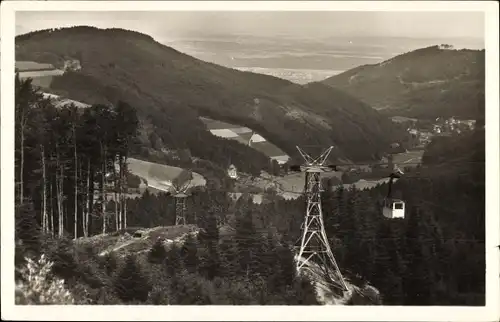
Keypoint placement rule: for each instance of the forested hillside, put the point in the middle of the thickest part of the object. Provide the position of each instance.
(70, 161)
(72, 183)
(170, 90)
(426, 83)
(434, 256)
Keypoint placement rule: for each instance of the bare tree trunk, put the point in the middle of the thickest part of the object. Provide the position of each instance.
(21, 170)
(120, 161)
(120, 211)
(87, 204)
(61, 200)
(124, 190)
(125, 213)
(45, 221)
(104, 192)
(76, 186)
(52, 228)
(115, 193)
(83, 197)
(119, 204)
(58, 194)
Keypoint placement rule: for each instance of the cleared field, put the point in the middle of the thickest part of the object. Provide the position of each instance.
(224, 133)
(367, 184)
(288, 185)
(219, 125)
(292, 182)
(160, 176)
(40, 73)
(240, 139)
(400, 119)
(295, 182)
(32, 66)
(409, 158)
(281, 158)
(243, 135)
(246, 136)
(268, 149)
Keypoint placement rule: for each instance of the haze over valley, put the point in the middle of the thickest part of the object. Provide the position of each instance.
(304, 60)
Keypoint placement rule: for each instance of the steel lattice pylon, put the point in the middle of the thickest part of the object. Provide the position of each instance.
(180, 203)
(180, 210)
(314, 251)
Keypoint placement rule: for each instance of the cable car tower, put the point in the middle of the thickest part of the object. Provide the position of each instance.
(180, 195)
(314, 250)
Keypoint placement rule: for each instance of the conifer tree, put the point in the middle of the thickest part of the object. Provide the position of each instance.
(189, 254)
(157, 253)
(130, 285)
(305, 292)
(247, 242)
(173, 260)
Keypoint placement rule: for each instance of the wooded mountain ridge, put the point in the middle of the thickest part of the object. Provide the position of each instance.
(431, 82)
(171, 89)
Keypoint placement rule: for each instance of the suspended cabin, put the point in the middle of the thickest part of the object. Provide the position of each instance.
(393, 208)
(232, 172)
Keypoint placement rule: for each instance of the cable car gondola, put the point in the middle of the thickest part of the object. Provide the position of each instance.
(232, 172)
(393, 208)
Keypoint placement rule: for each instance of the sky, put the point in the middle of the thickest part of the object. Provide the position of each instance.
(175, 25)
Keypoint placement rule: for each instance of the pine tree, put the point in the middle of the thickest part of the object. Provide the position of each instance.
(305, 292)
(157, 254)
(418, 280)
(173, 260)
(247, 243)
(26, 98)
(130, 285)
(228, 267)
(189, 254)
(287, 270)
(27, 230)
(208, 238)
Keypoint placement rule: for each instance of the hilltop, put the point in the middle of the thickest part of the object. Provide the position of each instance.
(172, 90)
(431, 82)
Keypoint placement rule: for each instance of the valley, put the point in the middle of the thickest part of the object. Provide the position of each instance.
(280, 111)
(298, 76)
(120, 131)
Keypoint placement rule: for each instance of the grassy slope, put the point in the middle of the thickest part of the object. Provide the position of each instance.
(158, 174)
(424, 83)
(244, 134)
(131, 66)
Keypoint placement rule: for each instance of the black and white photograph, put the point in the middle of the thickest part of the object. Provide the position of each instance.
(259, 161)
